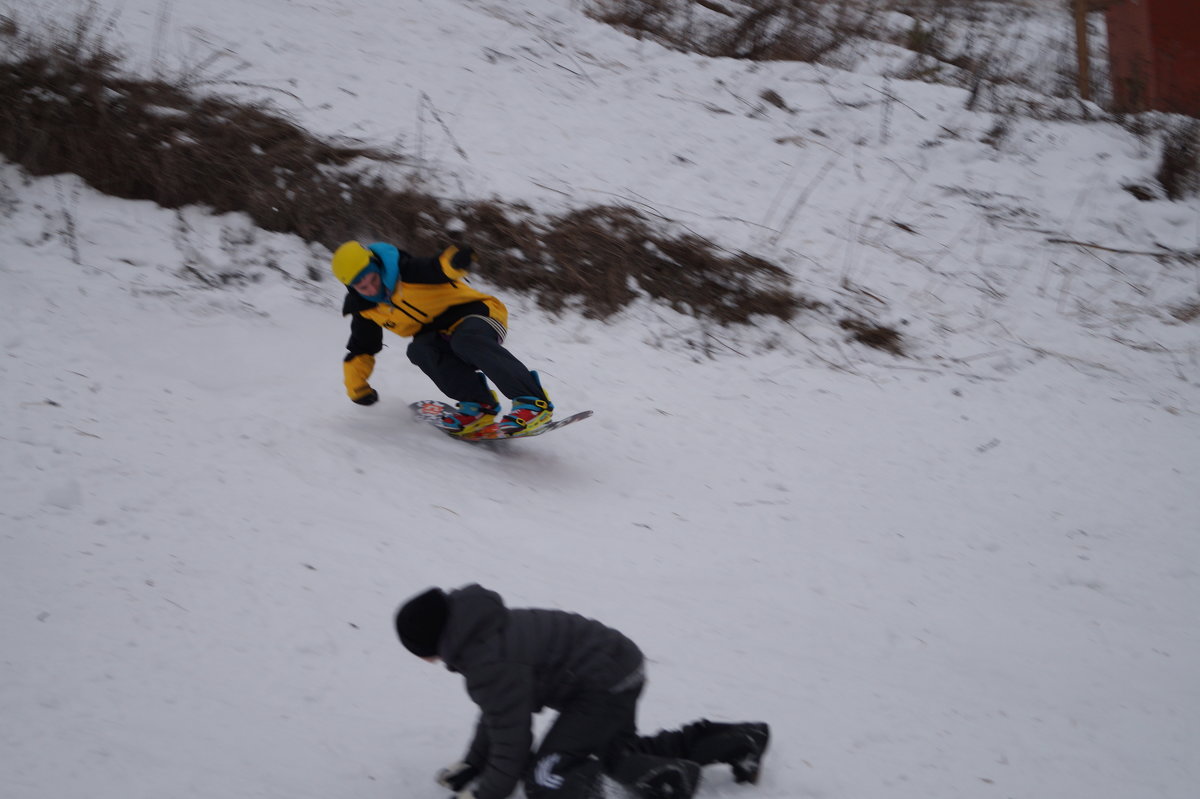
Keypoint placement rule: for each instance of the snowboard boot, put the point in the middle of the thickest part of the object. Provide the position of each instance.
(470, 417)
(528, 413)
(741, 746)
(653, 777)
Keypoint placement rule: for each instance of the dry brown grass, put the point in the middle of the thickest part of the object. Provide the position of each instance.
(65, 107)
(1179, 167)
(964, 43)
(881, 337)
(69, 111)
(783, 30)
(1188, 312)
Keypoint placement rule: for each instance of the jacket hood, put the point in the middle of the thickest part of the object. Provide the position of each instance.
(475, 615)
(387, 259)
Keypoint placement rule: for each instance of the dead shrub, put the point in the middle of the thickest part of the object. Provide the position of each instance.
(781, 30)
(65, 108)
(1179, 167)
(1188, 312)
(636, 17)
(603, 257)
(775, 31)
(874, 335)
(980, 45)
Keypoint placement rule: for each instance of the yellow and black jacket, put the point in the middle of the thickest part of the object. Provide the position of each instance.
(430, 295)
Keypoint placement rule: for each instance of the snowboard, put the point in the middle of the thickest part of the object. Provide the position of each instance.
(429, 411)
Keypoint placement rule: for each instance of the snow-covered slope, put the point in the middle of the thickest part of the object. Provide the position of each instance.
(969, 572)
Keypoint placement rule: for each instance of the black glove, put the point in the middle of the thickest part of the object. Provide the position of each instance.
(457, 776)
(463, 259)
(370, 398)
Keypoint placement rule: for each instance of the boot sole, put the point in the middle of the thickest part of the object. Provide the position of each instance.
(750, 776)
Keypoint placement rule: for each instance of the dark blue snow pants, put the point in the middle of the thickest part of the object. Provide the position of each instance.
(453, 362)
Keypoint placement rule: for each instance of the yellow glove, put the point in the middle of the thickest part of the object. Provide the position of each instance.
(356, 369)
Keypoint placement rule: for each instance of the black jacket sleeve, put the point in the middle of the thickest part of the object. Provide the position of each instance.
(419, 269)
(477, 752)
(366, 337)
(503, 692)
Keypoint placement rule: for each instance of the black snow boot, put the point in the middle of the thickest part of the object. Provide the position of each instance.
(654, 777)
(740, 745)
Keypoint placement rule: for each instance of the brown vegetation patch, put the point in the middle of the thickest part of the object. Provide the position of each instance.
(1179, 167)
(64, 107)
(880, 337)
(1188, 312)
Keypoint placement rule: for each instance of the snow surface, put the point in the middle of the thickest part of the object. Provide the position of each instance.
(970, 572)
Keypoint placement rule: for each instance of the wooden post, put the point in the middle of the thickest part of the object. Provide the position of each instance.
(1082, 51)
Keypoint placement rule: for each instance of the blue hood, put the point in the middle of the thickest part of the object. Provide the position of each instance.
(386, 261)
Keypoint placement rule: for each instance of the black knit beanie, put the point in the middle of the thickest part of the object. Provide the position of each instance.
(420, 622)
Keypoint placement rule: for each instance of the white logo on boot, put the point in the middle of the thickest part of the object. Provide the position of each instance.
(543, 773)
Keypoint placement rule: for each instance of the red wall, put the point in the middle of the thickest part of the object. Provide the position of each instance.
(1154, 55)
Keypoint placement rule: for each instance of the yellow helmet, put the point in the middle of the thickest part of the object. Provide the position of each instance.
(349, 260)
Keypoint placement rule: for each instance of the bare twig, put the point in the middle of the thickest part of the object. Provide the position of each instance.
(893, 98)
(723, 344)
(581, 72)
(1151, 253)
(426, 102)
(69, 231)
(803, 198)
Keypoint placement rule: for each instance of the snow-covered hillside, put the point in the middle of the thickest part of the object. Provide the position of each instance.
(970, 572)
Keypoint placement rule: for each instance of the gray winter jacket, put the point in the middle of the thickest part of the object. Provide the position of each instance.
(517, 662)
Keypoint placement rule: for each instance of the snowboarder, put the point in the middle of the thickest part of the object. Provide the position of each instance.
(457, 334)
(517, 661)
